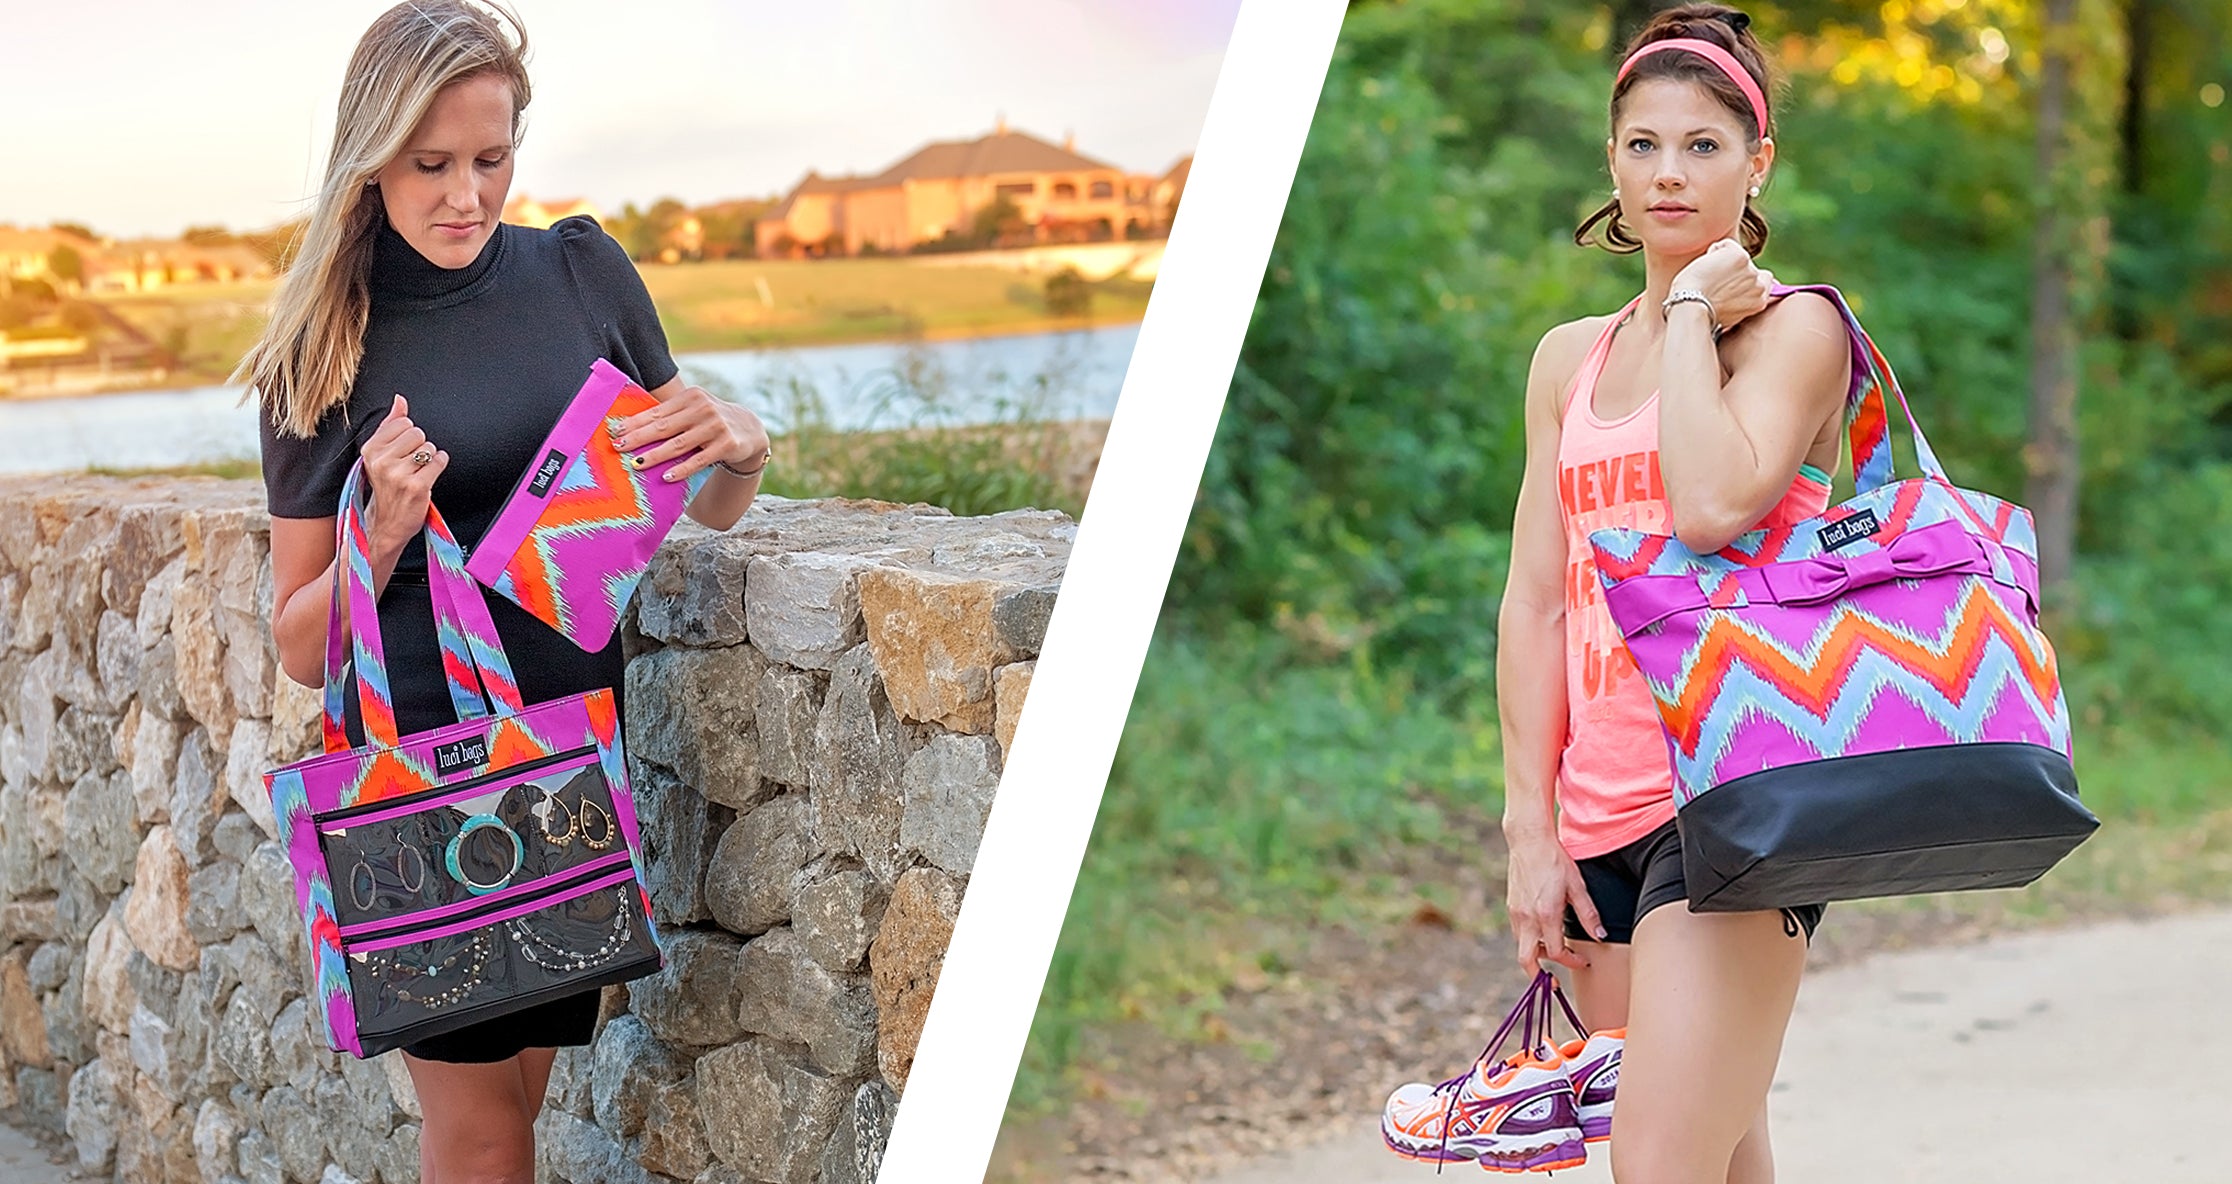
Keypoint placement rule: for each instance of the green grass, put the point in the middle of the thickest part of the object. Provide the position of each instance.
(209, 326)
(1257, 797)
(1250, 795)
(719, 305)
(707, 306)
(230, 470)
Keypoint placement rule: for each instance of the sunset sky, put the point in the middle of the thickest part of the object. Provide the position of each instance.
(154, 118)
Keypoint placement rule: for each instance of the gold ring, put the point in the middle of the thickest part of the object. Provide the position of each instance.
(423, 457)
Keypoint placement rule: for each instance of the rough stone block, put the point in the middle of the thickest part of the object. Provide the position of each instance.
(267, 899)
(213, 903)
(23, 1032)
(693, 593)
(1020, 616)
(217, 1132)
(679, 829)
(946, 791)
(154, 767)
(692, 1002)
(97, 830)
(246, 761)
(836, 915)
(788, 702)
(95, 1114)
(116, 658)
(768, 1114)
(904, 961)
(936, 644)
(758, 866)
(155, 913)
(1009, 686)
(691, 711)
(804, 606)
(630, 1066)
(200, 657)
(855, 1151)
(860, 747)
(785, 994)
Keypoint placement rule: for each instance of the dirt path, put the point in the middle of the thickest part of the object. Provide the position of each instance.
(24, 1161)
(2047, 1057)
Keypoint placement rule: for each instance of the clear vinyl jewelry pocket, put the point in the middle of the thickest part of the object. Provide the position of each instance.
(430, 976)
(470, 841)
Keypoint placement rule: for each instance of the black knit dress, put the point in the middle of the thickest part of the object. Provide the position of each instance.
(488, 356)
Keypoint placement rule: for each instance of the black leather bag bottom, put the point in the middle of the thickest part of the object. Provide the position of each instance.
(1935, 819)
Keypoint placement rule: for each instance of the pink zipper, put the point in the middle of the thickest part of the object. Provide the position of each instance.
(406, 937)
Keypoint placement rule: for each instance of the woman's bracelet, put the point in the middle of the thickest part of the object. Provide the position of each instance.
(733, 471)
(1691, 296)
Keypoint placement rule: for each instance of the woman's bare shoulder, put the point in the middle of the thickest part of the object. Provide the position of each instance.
(1558, 357)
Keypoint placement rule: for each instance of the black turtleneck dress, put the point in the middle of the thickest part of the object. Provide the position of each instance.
(488, 356)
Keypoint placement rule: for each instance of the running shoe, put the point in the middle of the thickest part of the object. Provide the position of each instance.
(1593, 1065)
(1516, 1115)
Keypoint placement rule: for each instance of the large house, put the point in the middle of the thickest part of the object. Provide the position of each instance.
(523, 210)
(109, 265)
(1057, 195)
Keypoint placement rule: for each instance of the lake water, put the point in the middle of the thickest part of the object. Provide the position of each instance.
(1067, 375)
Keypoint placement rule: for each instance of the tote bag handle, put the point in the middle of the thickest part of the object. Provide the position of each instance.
(1869, 420)
(473, 660)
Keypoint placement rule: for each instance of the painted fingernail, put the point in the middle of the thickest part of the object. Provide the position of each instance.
(1600, 933)
(670, 475)
(637, 460)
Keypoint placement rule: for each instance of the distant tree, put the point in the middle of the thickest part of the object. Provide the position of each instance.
(77, 228)
(66, 264)
(998, 223)
(1068, 294)
(731, 228)
(207, 236)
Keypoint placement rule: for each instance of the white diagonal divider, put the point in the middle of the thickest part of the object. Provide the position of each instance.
(1112, 592)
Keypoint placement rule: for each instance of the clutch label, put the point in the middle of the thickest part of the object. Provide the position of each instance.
(546, 473)
(1849, 529)
(460, 754)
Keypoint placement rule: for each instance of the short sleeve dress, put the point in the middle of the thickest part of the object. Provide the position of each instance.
(488, 355)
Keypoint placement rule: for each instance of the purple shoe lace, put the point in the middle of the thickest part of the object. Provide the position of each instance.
(1532, 1017)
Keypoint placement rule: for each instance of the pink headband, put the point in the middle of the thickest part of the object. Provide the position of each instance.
(1711, 53)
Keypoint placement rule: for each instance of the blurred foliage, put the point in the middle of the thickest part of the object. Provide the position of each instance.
(1321, 688)
(1362, 482)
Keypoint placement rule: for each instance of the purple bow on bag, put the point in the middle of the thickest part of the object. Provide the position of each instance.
(1940, 549)
(1937, 550)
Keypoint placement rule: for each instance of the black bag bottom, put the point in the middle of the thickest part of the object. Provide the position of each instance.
(1936, 819)
(375, 1043)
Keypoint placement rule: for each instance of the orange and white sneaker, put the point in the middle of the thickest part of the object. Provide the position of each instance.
(1593, 1065)
(1516, 1115)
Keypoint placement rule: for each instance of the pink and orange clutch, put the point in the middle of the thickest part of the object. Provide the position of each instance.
(575, 536)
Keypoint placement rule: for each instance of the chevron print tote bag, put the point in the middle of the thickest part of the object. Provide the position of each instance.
(457, 874)
(1860, 704)
(579, 529)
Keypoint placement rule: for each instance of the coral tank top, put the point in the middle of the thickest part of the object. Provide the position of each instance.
(1615, 778)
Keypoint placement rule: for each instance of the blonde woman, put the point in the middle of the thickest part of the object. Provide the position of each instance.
(418, 333)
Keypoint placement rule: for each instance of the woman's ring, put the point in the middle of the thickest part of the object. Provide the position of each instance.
(423, 457)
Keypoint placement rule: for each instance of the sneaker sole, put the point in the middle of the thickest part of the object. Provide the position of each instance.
(1570, 1153)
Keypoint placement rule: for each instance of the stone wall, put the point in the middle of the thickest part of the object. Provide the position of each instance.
(819, 702)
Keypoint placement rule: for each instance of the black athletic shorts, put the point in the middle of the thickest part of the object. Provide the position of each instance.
(1627, 883)
(570, 1020)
